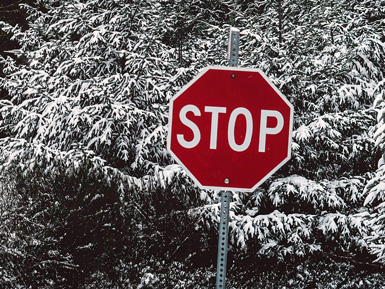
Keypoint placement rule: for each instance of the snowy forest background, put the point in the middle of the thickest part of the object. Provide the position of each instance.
(90, 197)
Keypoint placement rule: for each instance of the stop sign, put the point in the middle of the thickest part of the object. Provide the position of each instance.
(230, 128)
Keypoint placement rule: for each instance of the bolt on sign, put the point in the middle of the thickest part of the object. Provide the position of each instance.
(230, 128)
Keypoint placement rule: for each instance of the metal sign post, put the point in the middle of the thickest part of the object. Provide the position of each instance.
(223, 238)
(233, 46)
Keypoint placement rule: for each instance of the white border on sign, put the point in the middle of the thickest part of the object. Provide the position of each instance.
(201, 73)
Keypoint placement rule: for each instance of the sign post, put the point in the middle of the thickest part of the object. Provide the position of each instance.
(230, 129)
(223, 237)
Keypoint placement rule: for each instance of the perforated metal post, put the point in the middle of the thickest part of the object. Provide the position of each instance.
(223, 240)
(233, 46)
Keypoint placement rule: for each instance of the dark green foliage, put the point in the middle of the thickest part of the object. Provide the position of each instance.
(71, 226)
(62, 227)
(11, 12)
(187, 20)
(320, 272)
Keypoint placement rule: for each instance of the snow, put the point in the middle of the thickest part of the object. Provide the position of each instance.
(95, 86)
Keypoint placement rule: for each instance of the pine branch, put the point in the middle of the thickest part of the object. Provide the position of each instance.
(353, 261)
(10, 5)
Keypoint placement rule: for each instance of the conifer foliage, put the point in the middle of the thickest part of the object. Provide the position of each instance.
(88, 190)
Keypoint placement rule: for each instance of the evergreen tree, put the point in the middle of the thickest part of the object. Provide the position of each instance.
(10, 12)
(95, 85)
(94, 88)
(325, 56)
(86, 122)
(374, 190)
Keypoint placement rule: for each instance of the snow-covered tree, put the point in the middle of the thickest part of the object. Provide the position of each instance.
(92, 95)
(93, 90)
(325, 56)
(375, 188)
(86, 122)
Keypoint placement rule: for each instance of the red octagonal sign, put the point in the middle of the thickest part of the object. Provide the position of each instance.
(230, 128)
